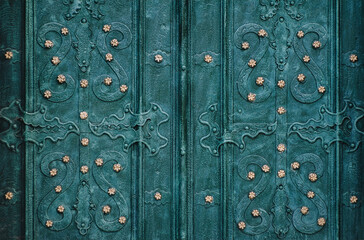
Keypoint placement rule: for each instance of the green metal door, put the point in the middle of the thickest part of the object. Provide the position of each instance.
(199, 119)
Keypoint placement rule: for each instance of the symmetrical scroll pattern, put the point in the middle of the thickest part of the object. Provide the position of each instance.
(75, 6)
(271, 7)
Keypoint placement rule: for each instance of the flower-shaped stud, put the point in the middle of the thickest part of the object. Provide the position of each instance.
(255, 213)
(106, 28)
(353, 58)
(64, 31)
(158, 58)
(259, 81)
(108, 81)
(300, 34)
(209, 199)
(84, 83)
(65, 159)
(295, 165)
(241, 225)
(53, 172)
(117, 167)
(312, 177)
(251, 97)
(9, 195)
(252, 195)
(61, 78)
(85, 141)
(106, 209)
(262, 33)
(321, 222)
(281, 147)
(122, 220)
(306, 59)
(353, 199)
(252, 63)
(281, 174)
(316, 44)
(58, 189)
(9, 55)
(84, 169)
(99, 162)
(301, 77)
(114, 42)
(49, 223)
(245, 45)
(281, 110)
(109, 57)
(47, 94)
(123, 88)
(48, 44)
(322, 89)
(158, 196)
(60, 209)
(281, 83)
(83, 115)
(304, 210)
(265, 168)
(251, 175)
(310, 194)
(208, 58)
(55, 60)
(111, 191)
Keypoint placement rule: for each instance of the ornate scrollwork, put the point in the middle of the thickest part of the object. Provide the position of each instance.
(271, 7)
(75, 6)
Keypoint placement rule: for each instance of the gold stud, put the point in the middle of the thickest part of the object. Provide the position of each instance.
(245, 45)
(281, 83)
(306, 59)
(259, 81)
(47, 94)
(48, 44)
(117, 167)
(252, 195)
(60, 209)
(83, 83)
(301, 77)
(300, 34)
(84, 169)
(123, 88)
(322, 89)
(255, 213)
(281, 173)
(251, 97)
(122, 220)
(99, 162)
(85, 141)
(64, 31)
(9, 195)
(316, 44)
(252, 63)
(83, 115)
(58, 189)
(208, 58)
(265, 168)
(312, 177)
(209, 199)
(304, 210)
(281, 147)
(353, 199)
(61, 78)
(109, 57)
(66, 159)
(106, 209)
(295, 165)
(107, 81)
(106, 28)
(49, 223)
(111, 191)
(53, 172)
(241, 225)
(55, 60)
(262, 33)
(321, 221)
(251, 175)
(310, 194)
(9, 55)
(114, 42)
(158, 196)
(158, 58)
(353, 58)
(281, 110)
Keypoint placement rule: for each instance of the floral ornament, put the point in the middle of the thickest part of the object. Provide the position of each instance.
(99, 162)
(245, 45)
(48, 44)
(321, 89)
(83, 115)
(252, 63)
(106, 28)
(251, 175)
(321, 221)
(301, 77)
(262, 33)
(353, 199)
(58, 189)
(123, 88)
(306, 59)
(300, 34)
(85, 141)
(251, 97)
(83, 83)
(84, 169)
(281, 147)
(66, 159)
(47, 94)
(208, 58)
(64, 31)
(107, 81)
(158, 196)
(111, 191)
(49, 223)
(108, 57)
(304, 210)
(310, 194)
(312, 177)
(255, 213)
(122, 220)
(259, 81)
(60, 209)
(158, 58)
(281, 110)
(353, 58)
(295, 165)
(281, 83)
(265, 168)
(106, 209)
(241, 225)
(9, 195)
(316, 44)
(61, 78)
(53, 172)
(9, 55)
(209, 199)
(281, 173)
(114, 42)
(55, 60)
(117, 167)
(252, 195)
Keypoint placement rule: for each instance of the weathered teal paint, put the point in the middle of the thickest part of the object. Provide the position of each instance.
(186, 131)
